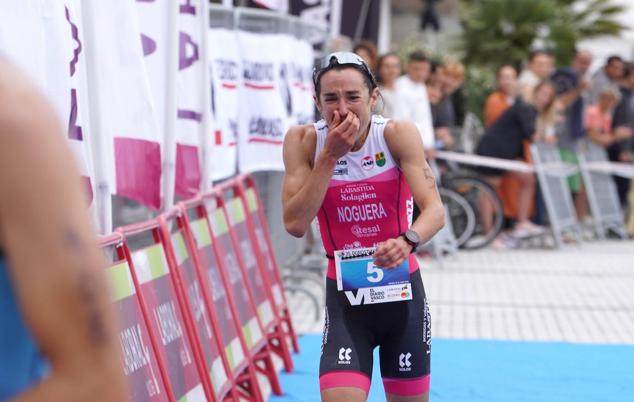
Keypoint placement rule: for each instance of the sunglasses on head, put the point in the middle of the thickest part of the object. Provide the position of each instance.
(342, 59)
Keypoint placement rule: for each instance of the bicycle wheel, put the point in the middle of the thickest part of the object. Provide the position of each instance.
(486, 203)
(460, 215)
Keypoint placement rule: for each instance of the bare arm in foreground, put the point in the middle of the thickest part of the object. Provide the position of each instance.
(56, 269)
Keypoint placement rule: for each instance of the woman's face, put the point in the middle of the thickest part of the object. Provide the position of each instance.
(544, 96)
(345, 91)
(390, 69)
(434, 92)
(507, 80)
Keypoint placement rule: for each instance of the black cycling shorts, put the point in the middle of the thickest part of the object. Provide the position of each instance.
(401, 330)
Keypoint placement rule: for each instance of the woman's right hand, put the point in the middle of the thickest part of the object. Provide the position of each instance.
(341, 135)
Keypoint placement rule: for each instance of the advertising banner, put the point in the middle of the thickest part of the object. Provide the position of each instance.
(267, 255)
(265, 102)
(202, 318)
(229, 336)
(257, 283)
(139, 361)
(167, 323)
(226, 79)
(246, 314)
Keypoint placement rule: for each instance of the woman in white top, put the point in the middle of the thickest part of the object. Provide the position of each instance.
(388, 69)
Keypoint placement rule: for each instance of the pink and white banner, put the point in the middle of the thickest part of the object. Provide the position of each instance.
(226, 79)
(44, 38)
(190, 97)
(265, 102)
(128, 116)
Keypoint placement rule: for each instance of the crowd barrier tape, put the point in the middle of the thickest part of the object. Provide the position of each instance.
(211, 268)
(258, 226)
(615, 168)
(237, 284)
(551, 168)
(145, 375)
(258, 270)
(203, 319)
(601, 190)
(165, 313)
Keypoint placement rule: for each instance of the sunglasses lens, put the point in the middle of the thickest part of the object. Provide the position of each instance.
(341, 58)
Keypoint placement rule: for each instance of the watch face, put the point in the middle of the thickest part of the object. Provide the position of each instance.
(412, 237)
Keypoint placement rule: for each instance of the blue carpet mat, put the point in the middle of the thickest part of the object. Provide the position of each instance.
(496, 371)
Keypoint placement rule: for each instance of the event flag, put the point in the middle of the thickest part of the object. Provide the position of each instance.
(190, 97)
(127, 113)
(44, 39)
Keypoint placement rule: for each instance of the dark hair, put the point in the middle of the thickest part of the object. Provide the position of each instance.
(614, 58)
(417, 55)
(380, 62)
(368, 81)
(628, 70)
(538, 52)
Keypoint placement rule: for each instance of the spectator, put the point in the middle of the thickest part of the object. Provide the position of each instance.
(388, 70)
(452, 77)
(598, 119)
(367, 51)
(502, 98)
(623, 126)
(441, 120)
(412, 97)
(504, 140)
(541, 64)
(610, 75)
(571, 85)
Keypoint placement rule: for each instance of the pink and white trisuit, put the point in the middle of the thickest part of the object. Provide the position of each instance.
(367, 202)
(368, 199)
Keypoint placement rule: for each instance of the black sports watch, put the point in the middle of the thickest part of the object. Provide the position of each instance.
(412, 238)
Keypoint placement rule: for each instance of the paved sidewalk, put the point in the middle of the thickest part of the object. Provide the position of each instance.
(583, 293)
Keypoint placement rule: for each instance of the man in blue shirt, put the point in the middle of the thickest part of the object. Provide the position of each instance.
(58, 340)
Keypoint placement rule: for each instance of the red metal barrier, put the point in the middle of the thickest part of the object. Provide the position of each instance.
(166, 314)
(203, 316)
(245, 188)
(145, 373)
(219, 298)
(263, 281)
(236, 280)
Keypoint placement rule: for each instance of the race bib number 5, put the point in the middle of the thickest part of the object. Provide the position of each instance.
(365, 283)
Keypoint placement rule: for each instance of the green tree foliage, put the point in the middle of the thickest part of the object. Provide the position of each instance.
(502, 31)
(505, 31)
